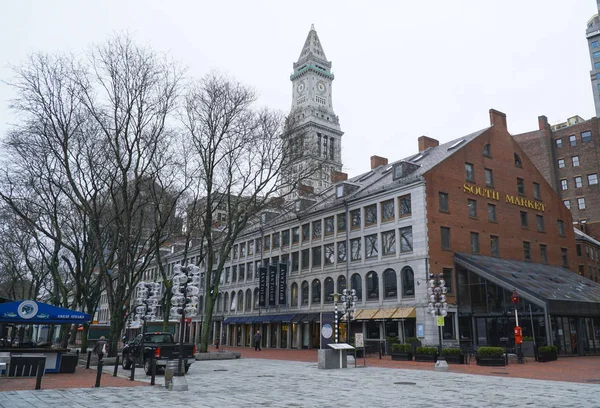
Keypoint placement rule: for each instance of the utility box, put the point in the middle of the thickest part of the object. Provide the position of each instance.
(335, 357)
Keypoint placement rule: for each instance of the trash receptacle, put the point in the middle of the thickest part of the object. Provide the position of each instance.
(170, 371)
(68, 363)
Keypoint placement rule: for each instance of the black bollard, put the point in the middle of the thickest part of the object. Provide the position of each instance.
(132, 377)
(99, 373)
(41, 366)
(116, 366)
(152, 380)
(87, 365)
(77, 352)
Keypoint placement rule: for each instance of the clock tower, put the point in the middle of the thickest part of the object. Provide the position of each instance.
(312, 132)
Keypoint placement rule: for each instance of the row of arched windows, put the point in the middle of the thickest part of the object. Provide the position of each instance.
(301, 293)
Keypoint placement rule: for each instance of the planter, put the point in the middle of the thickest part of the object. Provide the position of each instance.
(547, 356)
(528, 349)
(491, 361)
(402, 356)
(455, 359)
(426, 357)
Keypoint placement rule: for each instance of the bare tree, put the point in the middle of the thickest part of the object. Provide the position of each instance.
(242, 159)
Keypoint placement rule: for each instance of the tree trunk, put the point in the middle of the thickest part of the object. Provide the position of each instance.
(84, 338)
(204, 339)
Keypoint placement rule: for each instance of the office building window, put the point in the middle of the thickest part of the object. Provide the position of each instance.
(329, 225)
(305, 258)
(567, 203)
(492, 212)
(305, 232)
(586, 136)
(341, 222)
(544, 253)
(443, 202)
(540, 222)
(561, 163)
(371, 247)
(472, 208)
(536, 191)
(316, 257)
(523, 219)
(518, 162)
(387, 210)
(578, 182)
(445, 231)
(527, 251)
(561, 227)
(594, 44)
(575, 161)
(355, 250)
(405, 206)
(355, 219)
(447, 273)
(371, 215)
(520, 185)
(406, 239)
(474, 242)
(572, 140)
(487, 150)
(597, 65)
(592, 179)
(317, 229)
(295, 235)
(470, 172)
(494, 245)
(558, 143)
(596, 54)
(581, 203)
(489, 178)
(564, 185)
(388, 242)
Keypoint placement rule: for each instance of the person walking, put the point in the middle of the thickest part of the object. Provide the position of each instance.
(100, 348)
(257, 338)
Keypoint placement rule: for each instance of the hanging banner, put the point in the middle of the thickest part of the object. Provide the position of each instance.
(262, 286)
(282, 283)
(272, 284)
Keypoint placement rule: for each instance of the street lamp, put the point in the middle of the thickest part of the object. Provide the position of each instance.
(148, 296)
(349, 299)
(336, 298)
(438, 308)
(185, 302)
(518, 331)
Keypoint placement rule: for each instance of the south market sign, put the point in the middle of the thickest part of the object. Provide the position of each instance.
(495, 195)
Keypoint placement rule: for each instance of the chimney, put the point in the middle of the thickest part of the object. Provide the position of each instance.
(427, 142)
(337, 176)
(498, 119)
(377, 161)
(543, 122)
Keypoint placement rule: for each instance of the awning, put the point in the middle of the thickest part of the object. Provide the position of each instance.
(298, 318)
(311, 317)
(408, 312)
(244, 319)
(286, 318)
(365, 314)
(263, 318)
(30, 311)
(231, 320)
(384, 313)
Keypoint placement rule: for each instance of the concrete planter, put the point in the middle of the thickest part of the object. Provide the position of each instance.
(491, 361)
(402, 356)
(426, 357)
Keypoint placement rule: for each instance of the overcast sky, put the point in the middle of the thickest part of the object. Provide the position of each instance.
(402, 68)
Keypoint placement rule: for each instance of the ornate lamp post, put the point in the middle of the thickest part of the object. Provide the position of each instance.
(349, 299)
(148, 296)
(438, 308)
(185, 303)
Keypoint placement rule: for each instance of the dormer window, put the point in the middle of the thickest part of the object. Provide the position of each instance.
(345, 188)
(339, 191)
(403, 169)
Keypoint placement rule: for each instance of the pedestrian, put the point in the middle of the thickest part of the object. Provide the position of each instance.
(100, 348)
(257, 338)
(217, 343)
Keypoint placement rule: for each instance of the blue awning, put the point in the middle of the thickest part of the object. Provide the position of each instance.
(32, 312)
(286, 318)
(231, 320)
(245, 319)
(263, 318)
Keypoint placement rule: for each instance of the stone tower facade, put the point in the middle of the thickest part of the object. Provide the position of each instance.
(313, 132)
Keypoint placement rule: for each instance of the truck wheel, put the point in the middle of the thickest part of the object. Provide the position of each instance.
(147, 366)
(187, 367)
(126, 363)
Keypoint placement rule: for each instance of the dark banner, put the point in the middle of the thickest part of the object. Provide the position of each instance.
(272, 284)
(262, 286)
(282, 283)
(327, 329)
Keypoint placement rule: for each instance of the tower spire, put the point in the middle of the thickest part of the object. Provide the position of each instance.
(312, 50)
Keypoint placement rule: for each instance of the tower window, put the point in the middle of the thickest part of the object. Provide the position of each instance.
(320, 100)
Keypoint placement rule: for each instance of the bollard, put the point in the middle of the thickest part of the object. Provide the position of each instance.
(99, 373)
(77, 352)
(152, 380)
(132, 377)
(116, 366)
(87, 365)
(40, 372)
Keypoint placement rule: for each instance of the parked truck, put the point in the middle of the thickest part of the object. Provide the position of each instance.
(158, 346)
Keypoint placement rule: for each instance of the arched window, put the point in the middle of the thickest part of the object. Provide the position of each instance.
(201, 304)
(341, 283)
(316, 292)
(518, 162)
(225, 302)
(248, 300)
(294, 295)
(233, 301)
(256, 298)
(356, 284)
(240, 301)
(305, 293)
(390, 284)
(408, 282)
(328, 287)
(372, 286)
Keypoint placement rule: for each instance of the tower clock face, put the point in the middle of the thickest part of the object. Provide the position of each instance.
(301, 87)
(321, 87)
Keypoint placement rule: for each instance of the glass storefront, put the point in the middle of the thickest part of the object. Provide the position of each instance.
(284, 335)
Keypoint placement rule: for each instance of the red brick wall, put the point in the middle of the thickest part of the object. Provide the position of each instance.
(449, 177)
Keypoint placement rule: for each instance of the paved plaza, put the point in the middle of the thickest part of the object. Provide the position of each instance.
(274, 383)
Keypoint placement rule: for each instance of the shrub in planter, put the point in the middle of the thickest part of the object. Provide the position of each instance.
(425, 353)
(490, 356)
(401, 348)
(527, 338)
(490, 352)
(453, 355)
(547, 353)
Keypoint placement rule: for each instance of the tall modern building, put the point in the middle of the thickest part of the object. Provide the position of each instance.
(313, 129)
(592, 34)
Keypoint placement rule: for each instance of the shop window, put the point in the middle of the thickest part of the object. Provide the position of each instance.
(448, 331)
(372, 286)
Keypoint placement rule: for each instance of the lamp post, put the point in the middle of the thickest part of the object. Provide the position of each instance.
(148, 295)
(438, 308)
(518, 331)
(349, 299)
(336, 298)
(185, 302)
